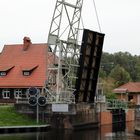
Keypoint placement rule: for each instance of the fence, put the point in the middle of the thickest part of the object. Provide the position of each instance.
(115, 103)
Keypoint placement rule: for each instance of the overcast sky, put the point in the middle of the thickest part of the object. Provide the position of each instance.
(119, 20)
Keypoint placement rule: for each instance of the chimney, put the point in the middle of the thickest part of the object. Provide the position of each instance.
(26, 43)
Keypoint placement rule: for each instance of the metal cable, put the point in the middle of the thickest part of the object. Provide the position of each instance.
(97, 15)
(82, 21)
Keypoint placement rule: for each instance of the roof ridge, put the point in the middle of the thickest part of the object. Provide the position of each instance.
(23, 44)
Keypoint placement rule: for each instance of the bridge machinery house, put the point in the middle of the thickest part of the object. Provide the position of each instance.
(129, 92)
(22, 66)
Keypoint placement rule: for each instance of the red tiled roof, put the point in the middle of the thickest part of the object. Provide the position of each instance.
(14, 55)
(6, 68)
(29, 67)
(128, 87)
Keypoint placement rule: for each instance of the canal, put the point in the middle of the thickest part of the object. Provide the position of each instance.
(104, 133)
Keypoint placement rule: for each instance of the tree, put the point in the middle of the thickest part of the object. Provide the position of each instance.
(136, 68)
(130, 63)
(117, 69)
(108, 86)
(102, 73)
(120, 75)
(107, 62)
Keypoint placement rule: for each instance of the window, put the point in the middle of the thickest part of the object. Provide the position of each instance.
(2, 73)
(100, 92)
(6, 93)
(26, 73)
(130, 97)
(18, 93)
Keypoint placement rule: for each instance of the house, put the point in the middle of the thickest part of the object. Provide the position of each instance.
(21, 67)
(129, 92)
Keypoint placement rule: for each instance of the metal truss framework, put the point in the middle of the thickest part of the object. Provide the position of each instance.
(63, 40)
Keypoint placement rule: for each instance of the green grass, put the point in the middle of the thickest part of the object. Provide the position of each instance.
(9, 117)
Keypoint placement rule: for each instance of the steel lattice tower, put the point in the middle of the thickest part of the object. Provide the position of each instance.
(65, 49)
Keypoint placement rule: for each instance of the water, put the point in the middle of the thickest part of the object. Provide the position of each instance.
(104, 133)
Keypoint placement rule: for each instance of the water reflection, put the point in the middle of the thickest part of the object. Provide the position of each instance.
(54, 135)
(104, 133)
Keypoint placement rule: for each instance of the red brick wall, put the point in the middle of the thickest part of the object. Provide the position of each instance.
(106, 118)
(130, 115)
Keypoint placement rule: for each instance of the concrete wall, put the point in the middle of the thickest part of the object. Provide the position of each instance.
(79, 115)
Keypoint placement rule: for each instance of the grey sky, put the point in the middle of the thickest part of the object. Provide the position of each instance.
(119, 20)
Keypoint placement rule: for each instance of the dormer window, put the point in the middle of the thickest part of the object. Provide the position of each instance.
(26, 73)
(4, 70)
(28, 70)
(2, 73)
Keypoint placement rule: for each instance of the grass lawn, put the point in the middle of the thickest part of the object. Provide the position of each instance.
(9, 117)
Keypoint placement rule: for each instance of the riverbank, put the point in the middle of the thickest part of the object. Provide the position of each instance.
(21, 129)
(14, 122)
(9, 117)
